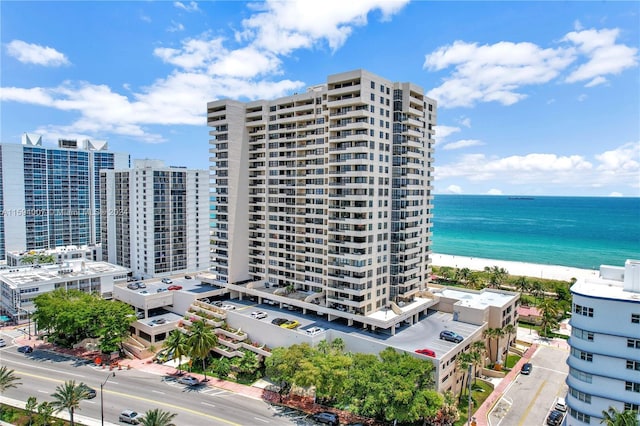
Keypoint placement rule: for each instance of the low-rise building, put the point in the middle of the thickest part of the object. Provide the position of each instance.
(604, 361)
(56, 255)
(19, 286)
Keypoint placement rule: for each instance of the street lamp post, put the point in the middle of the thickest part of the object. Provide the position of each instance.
(113, 374)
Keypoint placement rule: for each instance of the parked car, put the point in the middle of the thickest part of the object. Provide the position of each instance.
(426, 352)
(326, 417)
(451, 336)
(218, 303)
(161, 289)
(167, 281)
(258, 315)
(158, 321)
(2, 343)
(315, 330)
(561, 405)
(91, 392)
(142, 285)
(133, 286)
(174, 287)
(188, 380)
(143, 292)
(279, 321)
(25, 349)
(526, 368)
(163, 356)
(140, 315)
(187, 277)
(129, 416)
(555, 418)
(291, 324)
(227, 307)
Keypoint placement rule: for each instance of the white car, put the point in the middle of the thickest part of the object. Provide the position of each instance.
(315, 330)
(188, 380)
(258, 315)
(227, 307)
(2, 343)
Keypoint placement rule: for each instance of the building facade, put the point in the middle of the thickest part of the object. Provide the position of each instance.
(604, 361)
(327, 191)
(49, 196)
(19, 286)
(156, 218)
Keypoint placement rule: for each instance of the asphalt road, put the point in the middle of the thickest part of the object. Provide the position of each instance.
(41, 371)
(529, 399)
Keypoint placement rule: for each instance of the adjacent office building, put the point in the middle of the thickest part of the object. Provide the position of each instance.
(49, 196)
(327, 191)
(604, 363)
(156, 218)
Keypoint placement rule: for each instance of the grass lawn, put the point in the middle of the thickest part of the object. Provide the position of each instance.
(512, 360)
(480, 390)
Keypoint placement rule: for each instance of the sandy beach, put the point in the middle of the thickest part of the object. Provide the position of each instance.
(514, 268)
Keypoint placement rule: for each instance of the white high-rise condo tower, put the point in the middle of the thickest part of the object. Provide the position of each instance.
(49, 196)
(326, 192)
(604, 363)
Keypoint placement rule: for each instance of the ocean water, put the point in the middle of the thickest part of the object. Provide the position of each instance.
(580, 232)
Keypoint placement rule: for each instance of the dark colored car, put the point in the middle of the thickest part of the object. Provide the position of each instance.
(326, 417)
(279, 321)
(25, 349)
(451, 336)
(526, 368)
(555, 418)
(91, 393)
(133, 286)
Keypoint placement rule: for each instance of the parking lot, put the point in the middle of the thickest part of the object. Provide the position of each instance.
(530, 398)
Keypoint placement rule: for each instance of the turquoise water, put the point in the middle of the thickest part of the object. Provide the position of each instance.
(581, 232)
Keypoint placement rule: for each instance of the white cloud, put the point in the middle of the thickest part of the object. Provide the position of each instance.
(583, 97)
(499, 72)
(454, 189)
(281, 27)
(464, 143)
(619, 167)
(494, 191)
(616, 194)
(175, 27)
(604, 55)
(466, 122)
(443, 131)
(29, 53)
(191, 7)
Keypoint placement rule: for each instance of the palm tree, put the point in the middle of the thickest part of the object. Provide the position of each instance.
(537, 289)
(613, 417)
(478, 349)
(158, 417)
(522, 285)
(463, 361)
(68, 396)
(176, 344)
(30, 407)
(473, 280)
(200, 341)
(8, 380)
(497, 277)
(549, 320)
(509, 329)
(45, 412)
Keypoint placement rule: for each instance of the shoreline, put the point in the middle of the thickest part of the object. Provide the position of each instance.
(533, 270)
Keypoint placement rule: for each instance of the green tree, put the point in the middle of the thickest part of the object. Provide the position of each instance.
(549, 319)
(248, 364)
(492, 334)
(158, 417)
(613, 417)
(68, 396)
(537, 289)
(509, 330)
(222, 367)
(199, 343)
(522, 285)
(30, 407)
(448, 413)
(478, 350)
(497, 276)
(474, 280)
(45, 413)
(176, 343)
(463, 361)
(8, 379)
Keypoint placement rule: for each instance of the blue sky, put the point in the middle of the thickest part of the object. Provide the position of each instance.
(538, 98)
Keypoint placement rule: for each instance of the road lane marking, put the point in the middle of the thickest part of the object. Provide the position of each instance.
(206, 403)
(126, 395)
(551, 369)
(156, 391)
(261, 420)
(526, 412)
